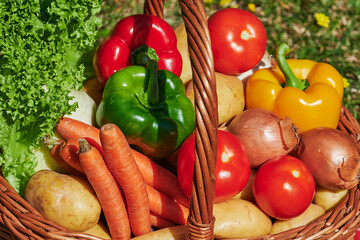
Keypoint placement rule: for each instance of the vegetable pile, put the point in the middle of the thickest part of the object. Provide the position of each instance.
(124, 144)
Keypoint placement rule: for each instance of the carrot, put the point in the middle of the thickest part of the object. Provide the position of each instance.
(69, 128)
(160, 178)
(106, 189)
(165, 207)
(119, 158)
(159, 222)
(154, 175)
(69, 152)
(54, 152)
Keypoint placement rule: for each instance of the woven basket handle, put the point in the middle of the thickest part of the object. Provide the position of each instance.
(201, 220)
(154, 7)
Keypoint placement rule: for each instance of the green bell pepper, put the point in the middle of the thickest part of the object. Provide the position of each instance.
(150, 107)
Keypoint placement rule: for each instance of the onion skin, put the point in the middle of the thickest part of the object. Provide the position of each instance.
(264, 134)
(331, 156)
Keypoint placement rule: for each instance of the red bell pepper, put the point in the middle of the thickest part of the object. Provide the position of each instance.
(130, 33)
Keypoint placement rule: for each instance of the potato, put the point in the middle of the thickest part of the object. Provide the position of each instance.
(99, 230)
(328, 198)
(170, 233)
(182, 46)
(311, 213)
(237, 218)
(67, 200)
(230, 93)
(247, 192)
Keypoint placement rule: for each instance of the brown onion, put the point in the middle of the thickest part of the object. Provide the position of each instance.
(331, 156)
(264, 134)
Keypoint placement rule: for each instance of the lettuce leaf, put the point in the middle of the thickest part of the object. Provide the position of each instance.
(46, 49)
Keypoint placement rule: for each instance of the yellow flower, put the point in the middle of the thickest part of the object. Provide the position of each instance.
(208, 1)
(322, 19)
(223, 3)
(252, 7)
(346, 82)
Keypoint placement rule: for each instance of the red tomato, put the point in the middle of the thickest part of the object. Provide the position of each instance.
(232, 166)
(238, 40)
(283, 187)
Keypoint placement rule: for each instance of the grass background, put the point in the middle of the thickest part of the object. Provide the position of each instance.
(290, 21)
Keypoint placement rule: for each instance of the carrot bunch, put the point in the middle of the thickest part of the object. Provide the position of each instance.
(135, 192)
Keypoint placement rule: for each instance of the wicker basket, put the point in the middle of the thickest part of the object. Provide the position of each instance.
(22, 221)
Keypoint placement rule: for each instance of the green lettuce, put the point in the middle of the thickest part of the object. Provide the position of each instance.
(46, 49)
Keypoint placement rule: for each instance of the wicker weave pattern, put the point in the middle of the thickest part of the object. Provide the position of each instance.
(340, 223)
(348, 124)
(201, 220)
(20, 220)
(154, 7)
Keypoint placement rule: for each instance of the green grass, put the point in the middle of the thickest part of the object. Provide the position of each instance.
(287, 21)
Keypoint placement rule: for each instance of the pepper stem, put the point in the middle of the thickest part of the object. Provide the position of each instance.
(141, 55)
(153, 88)
(290, 78)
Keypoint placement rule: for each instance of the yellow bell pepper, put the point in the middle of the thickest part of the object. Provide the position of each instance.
(308, 92)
